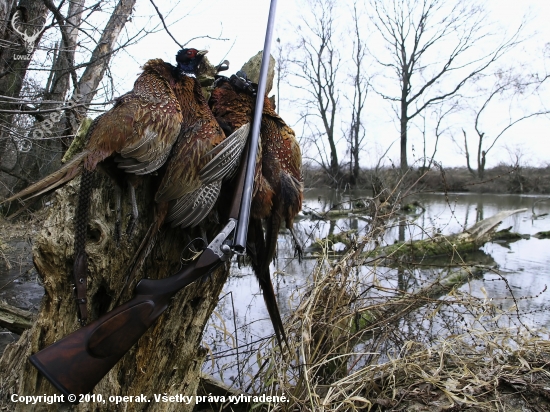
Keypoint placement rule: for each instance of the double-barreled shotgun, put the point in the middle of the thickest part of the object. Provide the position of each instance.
(76, 363)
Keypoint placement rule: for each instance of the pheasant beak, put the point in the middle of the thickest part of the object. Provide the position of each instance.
(202, 52)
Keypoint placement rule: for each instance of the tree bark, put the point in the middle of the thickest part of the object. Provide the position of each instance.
(101, 56)
(13, 70)
(6, 7)
(167, 359)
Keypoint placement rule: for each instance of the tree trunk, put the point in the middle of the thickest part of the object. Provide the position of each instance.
(12, 74)
(356, 162)
(13, 69)
(481, 165)
(334, 165)
(63, 68)
(101, 56)
(404, 123)
(404, 115)
(167, 359)
(6, 7)
(45, 155)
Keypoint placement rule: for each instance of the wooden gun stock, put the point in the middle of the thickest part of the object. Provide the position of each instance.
(76, 363)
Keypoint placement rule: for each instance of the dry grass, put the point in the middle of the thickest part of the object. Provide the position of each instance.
(362, 339)
(341, 358)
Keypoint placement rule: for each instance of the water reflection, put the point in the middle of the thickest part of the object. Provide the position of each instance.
(520, 281)
(19, 284)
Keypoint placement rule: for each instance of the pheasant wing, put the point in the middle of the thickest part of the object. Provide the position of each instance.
(155, 114)
(192, 208)
(188, 157)
(226, 156)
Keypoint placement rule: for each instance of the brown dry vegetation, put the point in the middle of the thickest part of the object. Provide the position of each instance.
(500, 179)
(364, 337)
(357, 345)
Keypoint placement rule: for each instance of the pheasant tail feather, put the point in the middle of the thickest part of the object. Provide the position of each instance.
(53, 181)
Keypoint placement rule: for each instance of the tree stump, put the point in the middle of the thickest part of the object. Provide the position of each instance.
(167, 359)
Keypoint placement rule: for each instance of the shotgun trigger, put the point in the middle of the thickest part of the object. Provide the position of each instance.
(218, 245)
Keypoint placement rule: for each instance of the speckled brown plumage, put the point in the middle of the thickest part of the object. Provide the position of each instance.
(200, 161)
(143, 125)
(278, 177)
(278, 191)
(184, 184)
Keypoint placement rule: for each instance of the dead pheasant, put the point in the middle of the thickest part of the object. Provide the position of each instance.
(138, 135)
(200, 161)
(278, 189)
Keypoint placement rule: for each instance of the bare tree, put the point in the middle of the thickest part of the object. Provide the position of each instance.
(435, 47)
(25, 20)
(361, 84)
(281, 68)
(511, 89)
(55, 121)
(316, 66)
(440, 113)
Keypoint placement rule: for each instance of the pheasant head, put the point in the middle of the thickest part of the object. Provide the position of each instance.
(189, 60)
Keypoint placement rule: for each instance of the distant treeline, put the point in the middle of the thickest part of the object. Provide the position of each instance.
(500, 179)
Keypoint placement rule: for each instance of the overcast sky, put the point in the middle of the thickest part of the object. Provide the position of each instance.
(243, 23)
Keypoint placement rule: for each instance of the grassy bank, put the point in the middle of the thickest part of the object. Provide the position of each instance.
(500, 179)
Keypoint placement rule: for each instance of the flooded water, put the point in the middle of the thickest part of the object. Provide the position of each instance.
(523, 273)
(520, 277)
(19, 283)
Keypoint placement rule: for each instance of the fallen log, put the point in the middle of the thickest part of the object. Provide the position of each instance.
(335, 213)
(471, 239)
(14, 319)
(395, 310)
(440, 245)
(542, 235)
